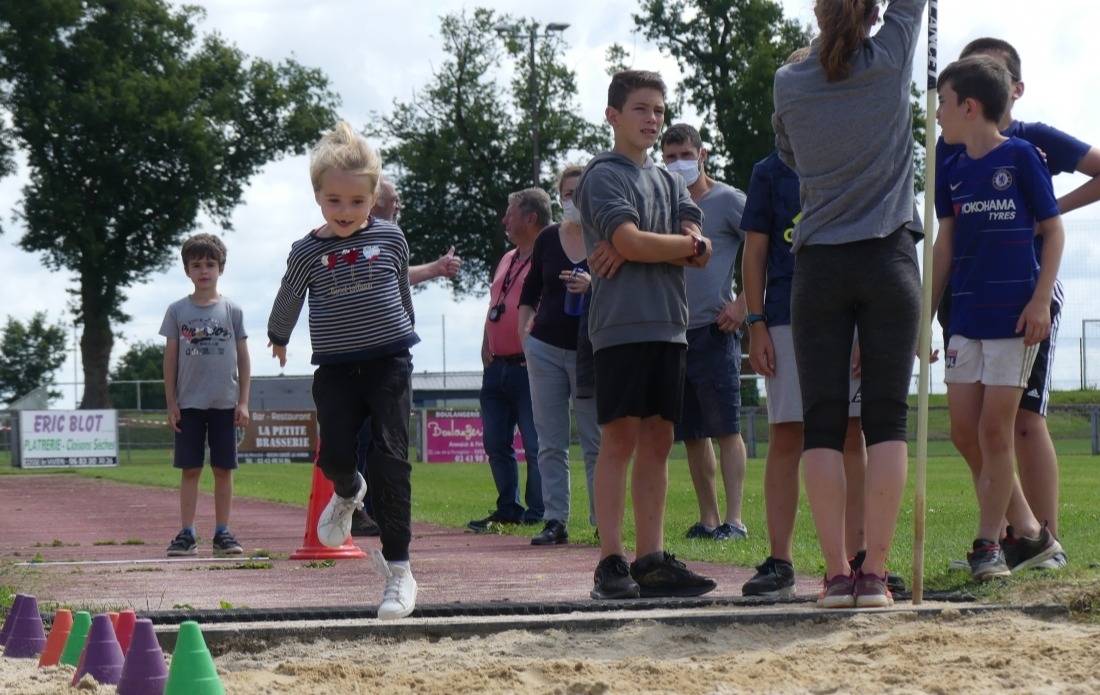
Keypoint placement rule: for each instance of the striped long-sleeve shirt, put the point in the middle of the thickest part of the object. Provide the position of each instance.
(360, 305)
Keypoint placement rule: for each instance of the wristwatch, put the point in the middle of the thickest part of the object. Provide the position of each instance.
(700, 246)
(754, 318)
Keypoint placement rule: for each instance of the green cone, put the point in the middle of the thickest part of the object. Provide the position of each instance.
(82, 622)
(192, 671)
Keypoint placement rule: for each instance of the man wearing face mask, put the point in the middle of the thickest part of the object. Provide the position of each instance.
(712, 384)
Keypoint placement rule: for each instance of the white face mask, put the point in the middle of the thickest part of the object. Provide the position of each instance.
(687, 168)
(571, 213)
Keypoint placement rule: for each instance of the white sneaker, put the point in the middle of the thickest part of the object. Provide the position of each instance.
(399, 594)
(1057, 562)
(962, 565)
(334, 524)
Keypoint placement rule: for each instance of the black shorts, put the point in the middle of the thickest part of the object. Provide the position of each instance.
(197, 427)
(1036, 396)
(640, 380)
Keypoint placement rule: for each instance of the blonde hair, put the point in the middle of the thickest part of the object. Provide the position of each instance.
(569, 171)
(342, 149)
(842, 24)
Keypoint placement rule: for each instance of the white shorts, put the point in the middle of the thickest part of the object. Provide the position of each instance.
(784, 395)
(1000, 362)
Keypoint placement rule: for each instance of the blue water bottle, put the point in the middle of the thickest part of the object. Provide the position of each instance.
(574, 301)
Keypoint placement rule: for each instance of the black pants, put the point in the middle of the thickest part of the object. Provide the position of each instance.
(873, 285)
(346, 395)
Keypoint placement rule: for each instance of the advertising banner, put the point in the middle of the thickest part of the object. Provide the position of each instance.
(279, 436)
(67, 438)
(455, 436)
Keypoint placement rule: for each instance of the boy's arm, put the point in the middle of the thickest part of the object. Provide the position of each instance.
(170, 369)
(649, 247)
(754, 271)
(244, 379)
(942, 251)
(1088, 192)
(1036, 315)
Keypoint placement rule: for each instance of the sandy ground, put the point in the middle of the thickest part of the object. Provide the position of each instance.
(884, 652)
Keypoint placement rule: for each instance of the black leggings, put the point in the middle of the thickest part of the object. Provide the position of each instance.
(873, 285)
(347, 395)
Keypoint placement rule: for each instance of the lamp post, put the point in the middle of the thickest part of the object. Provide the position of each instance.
(508, 29)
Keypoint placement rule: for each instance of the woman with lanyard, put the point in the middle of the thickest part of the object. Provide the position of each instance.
(550, 309)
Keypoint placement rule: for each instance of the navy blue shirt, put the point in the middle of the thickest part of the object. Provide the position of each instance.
(1063, 153)
(996, 201)
(772, 207)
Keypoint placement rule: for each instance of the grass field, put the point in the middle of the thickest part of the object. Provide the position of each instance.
(452, 494)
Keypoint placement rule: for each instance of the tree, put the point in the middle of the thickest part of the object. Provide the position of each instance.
(728, 52)
(463, 143)
(29, 356)
(131, 127)
(143, 362)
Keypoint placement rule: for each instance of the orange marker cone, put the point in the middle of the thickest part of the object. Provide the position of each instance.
(113, 615)
(192, 671)
(55, 642)
(312, 548)
(125, 629)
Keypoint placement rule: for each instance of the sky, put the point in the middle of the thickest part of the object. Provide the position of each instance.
(377, 52)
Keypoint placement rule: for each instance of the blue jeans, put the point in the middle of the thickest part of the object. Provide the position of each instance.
(506, 402)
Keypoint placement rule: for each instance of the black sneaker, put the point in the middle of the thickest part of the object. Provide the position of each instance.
(363, 525)
(1025, 553)
(183, 544)
(774, 577)
(660, 574)
(612, 580)
(485, 525)
(987, 561)
(894, 582)
(226, 544)
(553, 533)
(699, 531)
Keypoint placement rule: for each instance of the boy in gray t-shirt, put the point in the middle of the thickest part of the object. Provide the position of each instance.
(206, 383)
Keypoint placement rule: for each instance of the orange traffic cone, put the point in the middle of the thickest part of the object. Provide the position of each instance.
(312, 548)
(55, 641)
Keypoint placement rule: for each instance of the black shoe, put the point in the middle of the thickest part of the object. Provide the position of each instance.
(774, 577)
(612, 580)
(225, 543)
(182, 544)
(660, 574)
(363, 525)
(553, 533)
(485, 525)
(894, 582)
(1025, 553)
(700, 531)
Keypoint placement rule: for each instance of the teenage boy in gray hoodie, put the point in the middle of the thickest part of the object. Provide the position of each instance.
(642, 219)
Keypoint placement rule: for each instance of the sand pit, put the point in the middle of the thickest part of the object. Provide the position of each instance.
(896, 652)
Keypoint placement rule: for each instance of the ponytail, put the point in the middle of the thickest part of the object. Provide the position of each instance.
(842, 31)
